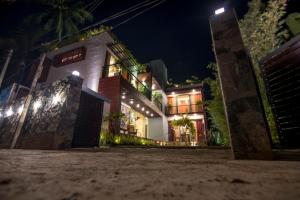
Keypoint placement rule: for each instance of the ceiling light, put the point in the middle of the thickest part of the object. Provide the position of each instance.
(147, 112)
(143, 108)
(138, 105)
(123, 97)
(131, 102)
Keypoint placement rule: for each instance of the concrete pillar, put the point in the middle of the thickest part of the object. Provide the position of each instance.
(245, 119)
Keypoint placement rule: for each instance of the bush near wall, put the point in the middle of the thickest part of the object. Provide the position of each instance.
(122, 139)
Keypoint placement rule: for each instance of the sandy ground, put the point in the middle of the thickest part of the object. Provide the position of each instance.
(127, 173)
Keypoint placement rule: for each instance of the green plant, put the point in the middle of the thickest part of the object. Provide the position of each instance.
(62, 16)
(122, 139)
(293, 23)
(215, 108)
(262, 31)
(114, 121)
(186, 123)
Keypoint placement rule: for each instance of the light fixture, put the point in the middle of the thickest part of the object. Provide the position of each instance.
(151, 114)
(138, 105)
(219, 11)
(147, 112)
(143, 108)
(193, 90)
(173, 93)
(56, 99)
(20, 109)
(131, 101)
(9, 112)
(37, 105)
(75, 73)
(123, 97)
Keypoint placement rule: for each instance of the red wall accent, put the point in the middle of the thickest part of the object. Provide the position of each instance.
(111, 89)
(200, 133)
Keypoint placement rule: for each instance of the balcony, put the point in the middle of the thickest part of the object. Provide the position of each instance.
(184, 109)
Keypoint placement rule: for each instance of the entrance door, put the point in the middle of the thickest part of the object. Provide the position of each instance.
(88, 122)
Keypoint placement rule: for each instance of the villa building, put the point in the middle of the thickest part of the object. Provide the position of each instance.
(139, 91)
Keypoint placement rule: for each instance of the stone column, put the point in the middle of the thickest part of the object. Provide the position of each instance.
(245, 119)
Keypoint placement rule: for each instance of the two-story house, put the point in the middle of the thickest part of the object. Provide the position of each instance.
(139, 91)
(186, 101)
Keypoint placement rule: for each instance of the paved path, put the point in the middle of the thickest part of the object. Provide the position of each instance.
(124, 173)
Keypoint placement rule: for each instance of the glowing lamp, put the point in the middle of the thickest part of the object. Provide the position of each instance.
(9, 112)
(20, 109)
(37, 105)
(219, 11)
(75, 73)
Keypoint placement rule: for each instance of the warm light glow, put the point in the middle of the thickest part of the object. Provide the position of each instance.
(123, 97)
(138, 105)
(153, 87)
(193, 90)
(173, 93)
(219, 11)
(37, 105)
(151, 115)
(56, 99)
(20, 109)
(143, 108)
(9, 112)
(131, 102)
(75, 73)
(147, 112)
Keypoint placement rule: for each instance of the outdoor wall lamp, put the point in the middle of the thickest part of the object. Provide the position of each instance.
(9, 112)
(37, 105)
(75, 73)
(219, 11)
(20, 109)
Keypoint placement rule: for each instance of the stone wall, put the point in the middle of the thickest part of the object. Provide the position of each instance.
(50, 120)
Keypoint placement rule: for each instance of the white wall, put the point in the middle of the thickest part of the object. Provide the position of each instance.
(158, 128)
(90, 68)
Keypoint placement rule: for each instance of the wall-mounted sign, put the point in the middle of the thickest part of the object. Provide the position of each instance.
(69, 57)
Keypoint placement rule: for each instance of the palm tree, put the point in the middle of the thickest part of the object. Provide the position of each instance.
(63, 16)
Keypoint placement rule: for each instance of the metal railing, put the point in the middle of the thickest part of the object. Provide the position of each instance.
(184, 109)
(132, 79)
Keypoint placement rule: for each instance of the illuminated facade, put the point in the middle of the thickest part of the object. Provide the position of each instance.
(136, 90)
(187, 101)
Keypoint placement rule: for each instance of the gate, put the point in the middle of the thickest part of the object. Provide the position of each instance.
(88, 122)
(281, 71)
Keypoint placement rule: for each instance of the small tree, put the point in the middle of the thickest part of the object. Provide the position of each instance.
(114, 121)
(215, 108)
(186, 123)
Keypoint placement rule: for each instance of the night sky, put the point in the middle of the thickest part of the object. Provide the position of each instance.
(176, 31)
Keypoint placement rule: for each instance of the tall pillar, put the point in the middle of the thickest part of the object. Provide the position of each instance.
(245, 119)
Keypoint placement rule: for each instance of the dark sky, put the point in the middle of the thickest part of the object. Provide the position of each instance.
(176, 31)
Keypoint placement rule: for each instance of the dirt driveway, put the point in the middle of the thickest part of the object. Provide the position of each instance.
(143, 173)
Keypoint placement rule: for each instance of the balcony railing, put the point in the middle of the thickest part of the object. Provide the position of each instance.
(184, 109)
(158, 104)
(128, 75)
